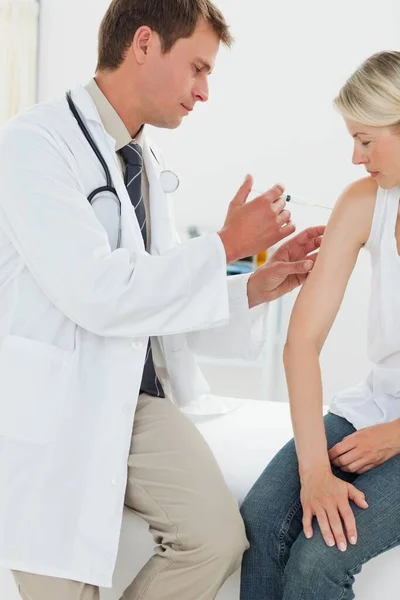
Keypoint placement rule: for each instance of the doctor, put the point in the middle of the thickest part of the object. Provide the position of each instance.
(89, 416)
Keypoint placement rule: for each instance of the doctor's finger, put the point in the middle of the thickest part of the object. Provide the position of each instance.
(272, 195)
(279, 205)
(308, 250)
(312, 245)
(312, 256)
(309, 234)
(287, 230)
(294, 268)
(284, 217)
(243, 192)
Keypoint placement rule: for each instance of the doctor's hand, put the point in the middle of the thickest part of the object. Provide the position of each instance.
(287, 268)
(367, 449)
(252, 227)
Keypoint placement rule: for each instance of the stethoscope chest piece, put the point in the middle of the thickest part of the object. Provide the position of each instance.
(169, 182)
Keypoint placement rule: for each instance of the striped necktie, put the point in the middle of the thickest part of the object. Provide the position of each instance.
(133, 157)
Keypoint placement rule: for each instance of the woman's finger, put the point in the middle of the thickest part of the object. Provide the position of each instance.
(324, 526)
(366, 469)
(354, 467)
(307, 522)
(344, 460)
(357, 496)
(336, 526)
(349, 521)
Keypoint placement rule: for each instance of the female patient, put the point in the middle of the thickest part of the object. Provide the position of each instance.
(308, 522)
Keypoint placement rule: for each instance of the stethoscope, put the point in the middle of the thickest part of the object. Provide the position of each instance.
(168, 179)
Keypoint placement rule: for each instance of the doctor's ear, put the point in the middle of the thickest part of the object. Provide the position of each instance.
(142, 42)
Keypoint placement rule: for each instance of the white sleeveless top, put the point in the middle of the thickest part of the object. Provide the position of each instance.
(377, 398)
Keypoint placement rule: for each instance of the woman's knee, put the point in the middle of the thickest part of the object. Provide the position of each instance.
(316, 567)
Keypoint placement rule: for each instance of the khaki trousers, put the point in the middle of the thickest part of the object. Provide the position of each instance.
(175, 484)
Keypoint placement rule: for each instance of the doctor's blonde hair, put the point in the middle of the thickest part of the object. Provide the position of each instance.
(371, 95)
(170, 19)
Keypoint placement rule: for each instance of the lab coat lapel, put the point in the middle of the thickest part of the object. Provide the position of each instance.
(131, 237)
(162, 237)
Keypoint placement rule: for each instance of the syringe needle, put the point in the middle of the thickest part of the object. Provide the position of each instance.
(296, 200)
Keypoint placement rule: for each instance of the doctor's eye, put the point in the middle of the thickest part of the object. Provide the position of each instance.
(197, 69)
(365, 144)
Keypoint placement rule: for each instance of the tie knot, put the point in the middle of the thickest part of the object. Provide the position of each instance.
(132, 154)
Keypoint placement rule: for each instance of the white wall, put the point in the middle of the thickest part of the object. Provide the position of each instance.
(270, 114)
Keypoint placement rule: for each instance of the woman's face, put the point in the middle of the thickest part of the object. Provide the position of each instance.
(378, 149)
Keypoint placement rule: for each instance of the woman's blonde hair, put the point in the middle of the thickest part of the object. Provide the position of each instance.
(371, 96)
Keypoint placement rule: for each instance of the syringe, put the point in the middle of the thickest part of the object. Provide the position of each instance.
(296, 200)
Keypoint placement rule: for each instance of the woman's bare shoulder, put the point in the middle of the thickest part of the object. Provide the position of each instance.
(360, 194)
(357, 204)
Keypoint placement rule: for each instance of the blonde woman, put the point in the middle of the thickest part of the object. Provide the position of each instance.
(330, 500)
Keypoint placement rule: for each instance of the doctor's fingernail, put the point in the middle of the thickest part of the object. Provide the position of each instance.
(308, 265)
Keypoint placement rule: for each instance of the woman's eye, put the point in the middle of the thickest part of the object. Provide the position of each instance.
(197, 69)
(365, 144)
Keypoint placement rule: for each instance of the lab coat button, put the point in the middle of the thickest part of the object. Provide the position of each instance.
(137, 345)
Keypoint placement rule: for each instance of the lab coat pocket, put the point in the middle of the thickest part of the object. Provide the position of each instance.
(174, 343)
(33, 386)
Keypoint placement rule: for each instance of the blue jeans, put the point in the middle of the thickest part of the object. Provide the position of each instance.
(281, 563)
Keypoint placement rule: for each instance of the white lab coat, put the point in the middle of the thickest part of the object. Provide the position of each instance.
(75, 317)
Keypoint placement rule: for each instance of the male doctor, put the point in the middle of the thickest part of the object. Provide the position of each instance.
(89, 416)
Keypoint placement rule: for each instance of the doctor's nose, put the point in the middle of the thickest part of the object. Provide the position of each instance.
(201, 93)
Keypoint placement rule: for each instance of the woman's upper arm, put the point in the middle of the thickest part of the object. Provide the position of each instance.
(322, 294)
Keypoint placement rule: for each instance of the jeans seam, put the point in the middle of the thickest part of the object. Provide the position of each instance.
(283, 533)
(342, 594)
(375, 554)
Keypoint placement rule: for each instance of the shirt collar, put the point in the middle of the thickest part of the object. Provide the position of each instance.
(111, 120)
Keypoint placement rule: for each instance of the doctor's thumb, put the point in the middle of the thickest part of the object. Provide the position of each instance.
(297, 268)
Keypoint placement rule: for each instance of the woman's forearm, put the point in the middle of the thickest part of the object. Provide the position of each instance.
(303, 375)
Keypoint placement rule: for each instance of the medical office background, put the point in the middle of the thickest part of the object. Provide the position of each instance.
(270, 114)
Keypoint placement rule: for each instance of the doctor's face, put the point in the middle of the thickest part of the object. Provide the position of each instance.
(378, 150)
(173, 83)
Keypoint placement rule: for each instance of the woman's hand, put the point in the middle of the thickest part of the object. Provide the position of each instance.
(367, 449)
(328, 499)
